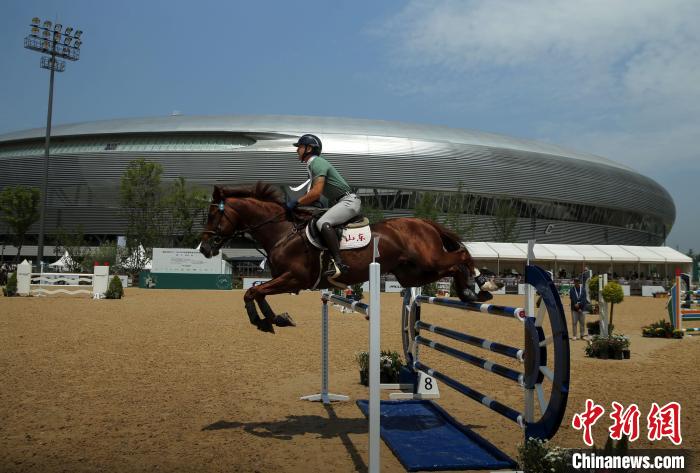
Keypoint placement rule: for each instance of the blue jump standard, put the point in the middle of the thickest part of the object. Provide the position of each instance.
(426, 438)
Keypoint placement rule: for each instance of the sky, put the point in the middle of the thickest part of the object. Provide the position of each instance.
(620, 79)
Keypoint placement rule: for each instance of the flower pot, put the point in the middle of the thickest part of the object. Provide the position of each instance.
(603, 354)
(626, 354)
(616, 355)
(364, 378)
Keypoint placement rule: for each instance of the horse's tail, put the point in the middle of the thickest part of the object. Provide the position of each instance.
(450, 240)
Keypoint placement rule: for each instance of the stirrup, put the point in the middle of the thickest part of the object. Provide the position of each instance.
(337, 270)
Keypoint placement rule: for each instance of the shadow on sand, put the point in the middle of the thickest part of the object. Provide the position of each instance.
(324, 427)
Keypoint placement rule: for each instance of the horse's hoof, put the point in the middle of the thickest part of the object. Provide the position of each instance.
(266, 326)
(284, 320)
(467, 295)
(484, 296)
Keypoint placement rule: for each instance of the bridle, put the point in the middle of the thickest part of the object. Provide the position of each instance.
(218, 239)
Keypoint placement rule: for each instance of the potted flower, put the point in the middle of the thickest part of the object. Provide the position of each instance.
(390, 365)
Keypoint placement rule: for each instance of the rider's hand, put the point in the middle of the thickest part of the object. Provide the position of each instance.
(290, 206)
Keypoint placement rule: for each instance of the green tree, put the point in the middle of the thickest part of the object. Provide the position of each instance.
(77, 248)
(505, 219)
(426, 206)
(19, 210)
(141, 195)
(613, 294)
(373, 213)
(187, 207)
(455, 218)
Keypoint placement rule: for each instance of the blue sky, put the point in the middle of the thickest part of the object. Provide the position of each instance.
(618, 79)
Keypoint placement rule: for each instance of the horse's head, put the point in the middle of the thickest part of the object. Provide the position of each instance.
(237, 210)
(220, 226)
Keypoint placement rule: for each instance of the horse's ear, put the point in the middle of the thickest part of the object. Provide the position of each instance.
(217, 194)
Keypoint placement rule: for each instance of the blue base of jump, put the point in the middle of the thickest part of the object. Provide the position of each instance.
(426, 438)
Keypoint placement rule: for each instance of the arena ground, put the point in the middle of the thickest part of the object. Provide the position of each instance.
(180, 381)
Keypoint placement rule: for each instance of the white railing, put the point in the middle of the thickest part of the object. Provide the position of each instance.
(44, 284)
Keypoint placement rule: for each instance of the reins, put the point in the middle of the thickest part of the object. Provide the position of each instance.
(242, 232)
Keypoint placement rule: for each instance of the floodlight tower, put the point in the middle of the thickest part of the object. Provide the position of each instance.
(53, 40)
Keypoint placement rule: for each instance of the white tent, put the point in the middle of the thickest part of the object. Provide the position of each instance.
(65, 262)
(137, 257)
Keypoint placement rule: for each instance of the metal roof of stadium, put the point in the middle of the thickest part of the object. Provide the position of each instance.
(571, 253)
(284, 126)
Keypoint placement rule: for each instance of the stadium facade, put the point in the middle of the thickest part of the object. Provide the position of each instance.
(503, 187)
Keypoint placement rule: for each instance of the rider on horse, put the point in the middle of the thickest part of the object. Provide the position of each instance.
(325, 180)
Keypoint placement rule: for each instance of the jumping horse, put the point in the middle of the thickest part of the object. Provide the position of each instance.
(415, 250)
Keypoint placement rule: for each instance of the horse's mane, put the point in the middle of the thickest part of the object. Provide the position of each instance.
(260, 191)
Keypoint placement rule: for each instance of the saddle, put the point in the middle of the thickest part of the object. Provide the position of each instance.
(352, 234)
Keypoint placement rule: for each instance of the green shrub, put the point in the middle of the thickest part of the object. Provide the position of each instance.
(429, 290)
(357, 291)
(539, 456)
(593, 288)
(115, 289)
(10, 288)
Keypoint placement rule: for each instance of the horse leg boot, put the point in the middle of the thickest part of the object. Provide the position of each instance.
(330, 238)
(463, 283)
(281, 320)
(486, 286)
(263, 325)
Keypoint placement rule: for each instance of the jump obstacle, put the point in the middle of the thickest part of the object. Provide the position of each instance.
(675, 306)
(473, 451)
(44, 284)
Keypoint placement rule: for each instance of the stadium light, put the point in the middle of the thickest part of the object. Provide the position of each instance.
(49, 43)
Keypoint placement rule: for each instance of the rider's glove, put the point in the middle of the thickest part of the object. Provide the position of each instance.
(290, 206)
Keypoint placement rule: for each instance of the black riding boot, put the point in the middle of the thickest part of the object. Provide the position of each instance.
(331, 240)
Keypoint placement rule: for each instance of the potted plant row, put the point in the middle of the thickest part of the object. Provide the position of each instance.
(611, 347)
(661, 329)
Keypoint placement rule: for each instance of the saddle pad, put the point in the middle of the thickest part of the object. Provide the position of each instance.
(351, 239)
(426, 438)
(355, 238)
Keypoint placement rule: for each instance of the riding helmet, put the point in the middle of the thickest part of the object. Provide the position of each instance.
(310, 140)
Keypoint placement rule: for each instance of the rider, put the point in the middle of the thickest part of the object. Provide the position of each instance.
(325, 180)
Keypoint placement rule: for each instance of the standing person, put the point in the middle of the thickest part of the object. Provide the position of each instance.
(325, 180)
(578, 305)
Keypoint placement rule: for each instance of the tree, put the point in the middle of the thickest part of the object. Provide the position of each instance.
(74, 244)
(141, 196)
(426, 206)
(186, 206)
(505, 219)
(373, 213)
(455, 216)
(613, 294)
(19, 209)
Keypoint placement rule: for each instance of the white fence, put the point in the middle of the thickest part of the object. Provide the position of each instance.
(44, 284)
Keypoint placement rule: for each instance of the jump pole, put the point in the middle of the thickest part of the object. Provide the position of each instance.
(324, 396)
(374, 350)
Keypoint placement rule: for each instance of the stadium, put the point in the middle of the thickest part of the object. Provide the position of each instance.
(503, 188)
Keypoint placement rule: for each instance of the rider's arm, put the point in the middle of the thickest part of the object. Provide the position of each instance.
(314, 193)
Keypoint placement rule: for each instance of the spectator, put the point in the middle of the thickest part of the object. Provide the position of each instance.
(578, 305)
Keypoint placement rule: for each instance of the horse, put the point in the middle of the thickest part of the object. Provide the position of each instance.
(414, 250)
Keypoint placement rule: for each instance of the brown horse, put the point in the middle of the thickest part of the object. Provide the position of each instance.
(414, 250)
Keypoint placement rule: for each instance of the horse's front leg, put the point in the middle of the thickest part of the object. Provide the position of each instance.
(284, 283)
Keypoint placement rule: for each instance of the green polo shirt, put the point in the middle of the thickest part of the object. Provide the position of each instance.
(335, 186)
